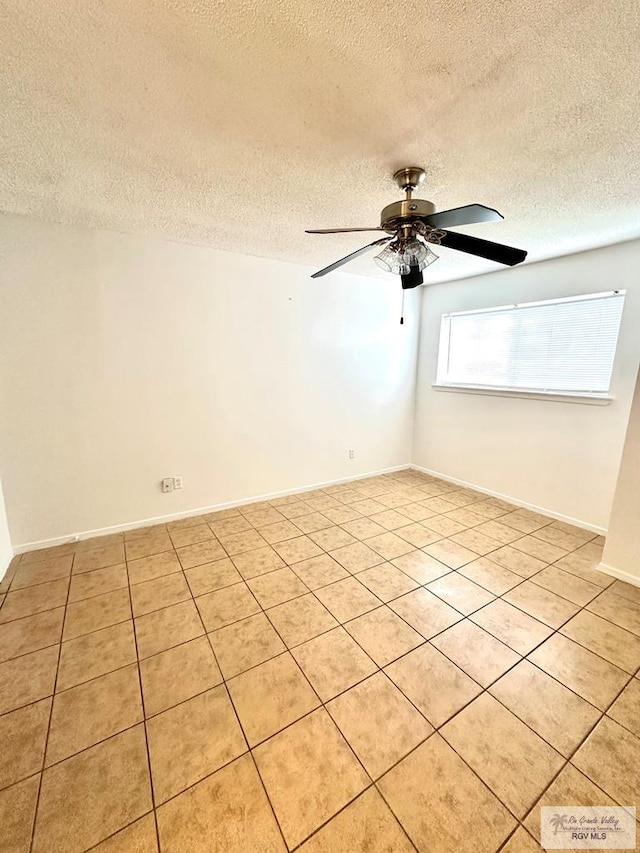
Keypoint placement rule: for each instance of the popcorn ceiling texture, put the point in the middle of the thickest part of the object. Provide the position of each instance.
(238, 124)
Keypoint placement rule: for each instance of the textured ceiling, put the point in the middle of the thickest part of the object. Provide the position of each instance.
(238, 124)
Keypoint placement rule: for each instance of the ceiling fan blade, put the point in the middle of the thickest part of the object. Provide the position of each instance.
(483, 248)
(340, 230)
(350, 257)
(412, 279)
(466, 215)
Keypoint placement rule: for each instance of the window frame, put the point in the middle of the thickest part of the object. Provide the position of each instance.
(585, 397)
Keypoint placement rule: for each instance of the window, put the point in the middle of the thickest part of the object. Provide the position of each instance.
(561, 346)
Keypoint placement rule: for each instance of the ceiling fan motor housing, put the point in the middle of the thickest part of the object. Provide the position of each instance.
(403, 212)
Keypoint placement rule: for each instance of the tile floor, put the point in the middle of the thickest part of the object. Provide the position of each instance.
(393, 664)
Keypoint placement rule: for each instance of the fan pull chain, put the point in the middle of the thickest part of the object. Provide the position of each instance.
(402, 310)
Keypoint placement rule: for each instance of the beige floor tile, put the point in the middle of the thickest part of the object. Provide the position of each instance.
(270, 697)
(341, 514)
(491, 576)
(570, 786)
(537, 548)
(177, 674)
(227, 605)
(466, 516)
(100, 611)
(212, 576)
(165, 628)
(576, 565)
(154, 566)
(301, 619)
(511, 626)
(239, 543)
(625, 590)
(295, 509)
(367, 824)
(442, 525)
(356, 557)
(587, 674)
(276, 587)
(610, 757)
(368, 506)
(524, 520)
(431, 784)
(541, 604)
(310, 773)
(45, 572)
(245, 644)
(280, 531)
(450, 553)
(181, 747)
(622, 611)
(443, 693)
(319, 571)
(520, 842)
(562, 538)
(93, 711)
(22, 740)
(201, 553)
(475, 541)
(264, 517)
(566, 585)
(379, 723)
(383, 635)
(425, 612)
(47, 554)
(226, 813)
(93, 794)
(258, 562)
(298, 549)
(421, 567)
(139, 837)
(501, 532)
(34, 599)
(99, 558)
(30, 633)
(228, 525)
(460, 592)
(191, 535)
(145, 546)
(17, 811)
(605, 639)
(331, 538)
(557, 714)
(312, 522)
(390, 545)
(626, 709)
(417, 535)
(96, 654)
(347, 599)
(476, 652)
(517, 561)
(152, 530)
(439, 505)
(386, 581)
(98, 582)
(161, 592)
(363, 528)
(27, 678)
(514, 762)
(333, 662)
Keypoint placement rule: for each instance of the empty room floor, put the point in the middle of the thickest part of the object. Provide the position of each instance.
(391, 664)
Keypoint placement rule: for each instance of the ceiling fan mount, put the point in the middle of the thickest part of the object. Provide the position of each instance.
(412, 222)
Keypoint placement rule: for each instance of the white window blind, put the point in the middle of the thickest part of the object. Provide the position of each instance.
(560, 346)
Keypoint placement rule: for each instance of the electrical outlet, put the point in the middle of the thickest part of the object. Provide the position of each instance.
(177, 483)
(167, 484)
(352, 454)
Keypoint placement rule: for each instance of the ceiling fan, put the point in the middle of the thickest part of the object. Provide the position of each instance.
(413, 223)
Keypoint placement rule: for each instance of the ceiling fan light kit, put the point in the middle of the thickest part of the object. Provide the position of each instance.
(412, 223)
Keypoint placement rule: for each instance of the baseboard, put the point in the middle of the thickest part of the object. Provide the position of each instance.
(543, 510)
(5, 562)
(163, 519)
(619, 574)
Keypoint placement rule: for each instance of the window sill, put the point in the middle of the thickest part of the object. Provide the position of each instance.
(550, 396)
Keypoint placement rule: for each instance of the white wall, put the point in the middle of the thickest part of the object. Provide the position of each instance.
(6, 551)
(622, 549)
(125, 359)
(562, 457)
